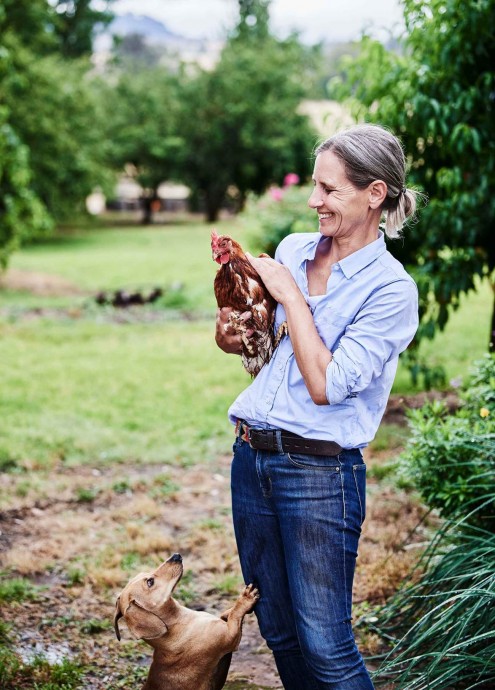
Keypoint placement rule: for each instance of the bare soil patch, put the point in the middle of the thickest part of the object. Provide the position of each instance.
(42, 284)
(82, 533)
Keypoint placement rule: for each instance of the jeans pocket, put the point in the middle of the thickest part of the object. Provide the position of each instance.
(237, 443)
(327, 463)
(359, 474)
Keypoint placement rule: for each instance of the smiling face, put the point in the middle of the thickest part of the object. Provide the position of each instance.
(342, 208)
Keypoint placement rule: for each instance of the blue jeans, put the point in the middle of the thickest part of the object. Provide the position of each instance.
(297, 521)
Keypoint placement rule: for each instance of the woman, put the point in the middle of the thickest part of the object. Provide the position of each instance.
(298, 477)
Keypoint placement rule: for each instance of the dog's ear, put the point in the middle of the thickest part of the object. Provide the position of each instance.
(143, 624)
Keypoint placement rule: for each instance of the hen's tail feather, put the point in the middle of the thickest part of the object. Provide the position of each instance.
(282, 330)
(258, 354)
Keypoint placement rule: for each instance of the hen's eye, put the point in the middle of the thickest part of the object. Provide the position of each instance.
(150, 582)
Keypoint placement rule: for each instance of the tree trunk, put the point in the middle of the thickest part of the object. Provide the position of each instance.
(149, 205)
(213, 204)
(147, 218)
(491, 344)
(242, 202)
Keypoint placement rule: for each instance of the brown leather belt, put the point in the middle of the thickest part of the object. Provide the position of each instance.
(279, 440)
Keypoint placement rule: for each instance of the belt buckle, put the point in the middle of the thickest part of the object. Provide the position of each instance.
(242, 430)
(268, 439)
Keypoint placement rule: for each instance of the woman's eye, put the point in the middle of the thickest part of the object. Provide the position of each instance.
(150, 582)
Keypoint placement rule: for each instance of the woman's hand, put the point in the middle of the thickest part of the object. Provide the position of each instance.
(312, 355)
(276, 277)
(225, 336)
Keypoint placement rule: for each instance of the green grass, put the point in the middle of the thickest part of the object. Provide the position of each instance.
(464, 340)
(87, 392)
(91, 390)
(17, 589)
(135, 257)
(38, 674)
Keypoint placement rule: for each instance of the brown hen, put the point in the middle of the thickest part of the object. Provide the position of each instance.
(238, 286)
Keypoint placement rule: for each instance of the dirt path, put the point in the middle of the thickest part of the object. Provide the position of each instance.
(80, 534)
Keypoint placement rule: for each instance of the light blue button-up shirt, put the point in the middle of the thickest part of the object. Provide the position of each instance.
(367, 317)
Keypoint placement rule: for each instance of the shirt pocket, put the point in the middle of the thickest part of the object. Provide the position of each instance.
(331, 326)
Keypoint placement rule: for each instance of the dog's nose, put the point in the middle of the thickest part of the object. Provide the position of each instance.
(176, 558)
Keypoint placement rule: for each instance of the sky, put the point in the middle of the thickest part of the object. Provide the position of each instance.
(331, 20)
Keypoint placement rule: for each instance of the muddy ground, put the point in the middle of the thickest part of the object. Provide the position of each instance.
(78, 532)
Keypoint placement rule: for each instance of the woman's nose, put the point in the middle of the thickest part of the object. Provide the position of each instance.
(314, 200)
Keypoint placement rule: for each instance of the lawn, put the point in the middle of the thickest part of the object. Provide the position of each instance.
(85, 384)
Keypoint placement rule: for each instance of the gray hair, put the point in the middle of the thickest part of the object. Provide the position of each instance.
(369, 153)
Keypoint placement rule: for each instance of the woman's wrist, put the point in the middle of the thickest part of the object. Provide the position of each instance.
(293, 299)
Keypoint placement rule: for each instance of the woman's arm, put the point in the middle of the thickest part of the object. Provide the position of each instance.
(312, 355)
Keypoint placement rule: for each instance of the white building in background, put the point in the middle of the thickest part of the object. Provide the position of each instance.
(328, 117)
(96, 203)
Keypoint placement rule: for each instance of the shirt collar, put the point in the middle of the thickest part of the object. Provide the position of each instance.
(353, 263)
(356, 261)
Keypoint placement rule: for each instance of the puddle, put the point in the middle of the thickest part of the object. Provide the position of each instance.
(31, 645)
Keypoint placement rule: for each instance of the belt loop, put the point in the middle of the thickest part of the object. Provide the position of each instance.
(278, 438)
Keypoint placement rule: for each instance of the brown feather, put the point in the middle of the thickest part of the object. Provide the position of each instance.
(238, 286)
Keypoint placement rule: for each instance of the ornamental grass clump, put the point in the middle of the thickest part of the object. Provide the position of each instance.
(442, 627)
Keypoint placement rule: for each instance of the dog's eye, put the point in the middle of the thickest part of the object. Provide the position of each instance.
(150, 582)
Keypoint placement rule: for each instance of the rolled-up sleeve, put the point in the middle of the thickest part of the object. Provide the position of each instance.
(381, 330)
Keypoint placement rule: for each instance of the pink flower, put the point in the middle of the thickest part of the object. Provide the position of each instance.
(276, 193)
(291, 179)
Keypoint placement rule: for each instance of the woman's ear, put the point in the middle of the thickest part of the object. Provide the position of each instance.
(377, 193)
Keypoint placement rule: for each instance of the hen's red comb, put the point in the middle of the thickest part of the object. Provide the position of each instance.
(214, 237)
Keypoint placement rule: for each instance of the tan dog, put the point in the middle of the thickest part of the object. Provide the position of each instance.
(193, 649)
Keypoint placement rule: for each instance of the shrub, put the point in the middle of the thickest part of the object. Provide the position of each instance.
(451, 458)
(279, 213)
(443, 627)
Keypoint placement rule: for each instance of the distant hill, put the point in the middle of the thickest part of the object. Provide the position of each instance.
(151, 29)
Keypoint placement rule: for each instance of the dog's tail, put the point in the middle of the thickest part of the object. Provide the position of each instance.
(118, 615)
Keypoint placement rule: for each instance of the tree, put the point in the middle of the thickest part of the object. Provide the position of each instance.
(232, 129)
(50, 142)
(76, 23)
(63, 26)
(253, 19)
(31, 21)
(240, 123)
(141, 111)
(438, 96)
(22, 215)
(53, 112)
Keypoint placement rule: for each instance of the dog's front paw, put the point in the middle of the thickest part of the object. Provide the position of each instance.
(248, 598)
